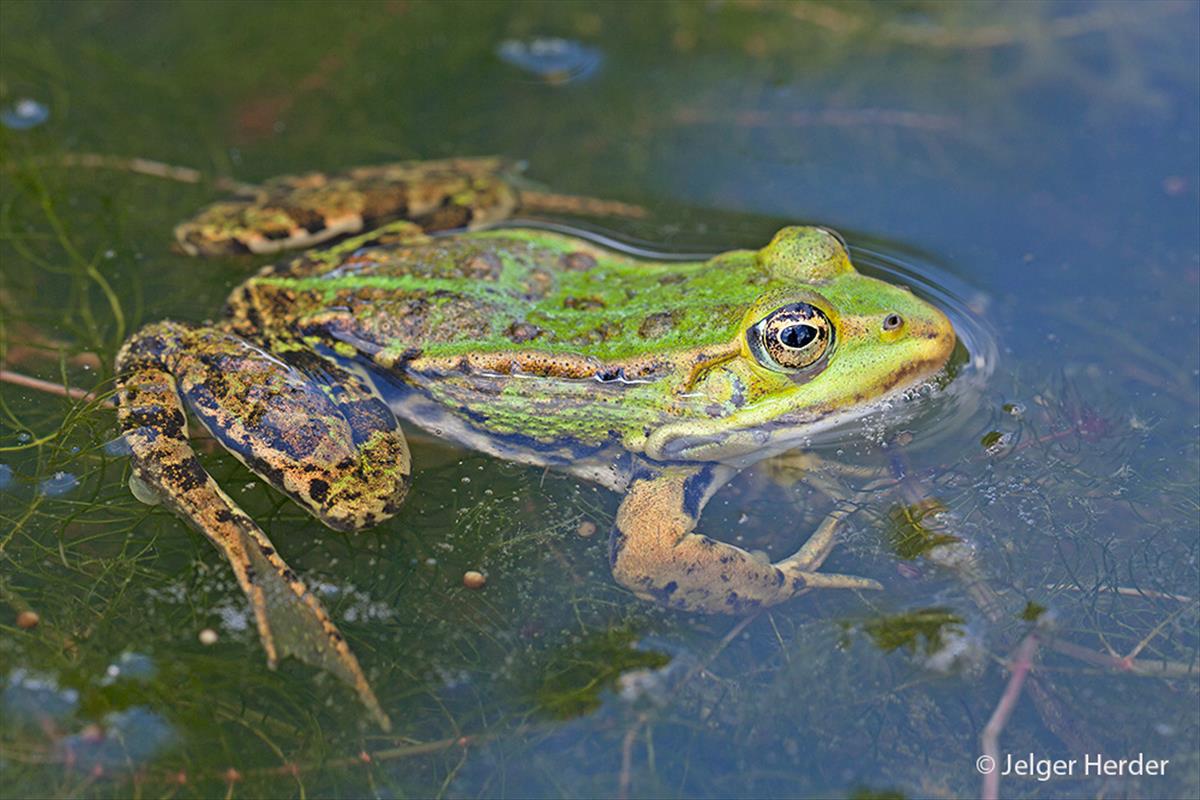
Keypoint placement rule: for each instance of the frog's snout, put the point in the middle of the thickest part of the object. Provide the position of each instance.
(939, 335)
(929, 335)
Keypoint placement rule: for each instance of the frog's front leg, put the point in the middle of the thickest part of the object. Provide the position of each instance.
(317, 434)
(656, 553)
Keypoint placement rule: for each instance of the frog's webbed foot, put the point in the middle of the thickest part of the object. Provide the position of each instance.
(338, 451)
(824, 474)
(656, 553)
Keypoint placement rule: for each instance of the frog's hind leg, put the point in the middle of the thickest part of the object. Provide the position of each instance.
(337, 450)
(656, 552)
(577, 205)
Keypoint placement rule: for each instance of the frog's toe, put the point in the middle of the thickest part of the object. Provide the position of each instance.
(824, 580)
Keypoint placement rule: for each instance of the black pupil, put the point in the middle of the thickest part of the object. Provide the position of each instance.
(797, 336)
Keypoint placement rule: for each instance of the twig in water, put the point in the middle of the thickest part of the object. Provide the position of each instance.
(1020, 664)
(18, 379)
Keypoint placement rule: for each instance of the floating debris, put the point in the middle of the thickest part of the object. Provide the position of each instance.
(24, 114)
(574, 677)
(6, 476)
(996, 443)
(124, 739)
(58, 484)
(650, 686)
(129, 666)
(586, 529)
(959, 650)
(474, 580)
(32, 697)
(233, 618)
(923, 631)
(28, 620)
(556, 61)
(915, 530)
(208, 637)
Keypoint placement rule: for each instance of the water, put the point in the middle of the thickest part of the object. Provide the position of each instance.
(1032, 168)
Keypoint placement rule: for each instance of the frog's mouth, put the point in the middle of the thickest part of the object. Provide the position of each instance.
(743, 447)
(763, 434)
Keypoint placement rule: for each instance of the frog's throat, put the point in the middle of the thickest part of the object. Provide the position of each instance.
(770, 427)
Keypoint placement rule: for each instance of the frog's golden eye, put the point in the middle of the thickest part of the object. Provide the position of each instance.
(790, 338)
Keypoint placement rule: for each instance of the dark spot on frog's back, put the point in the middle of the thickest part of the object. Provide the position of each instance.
(601, 333)
(482, 266)
(311, 221)
(583, 303)
(657, 325)
(445, 218)
(537, 284)
(520, 332)
(577, 261)
(384, 202)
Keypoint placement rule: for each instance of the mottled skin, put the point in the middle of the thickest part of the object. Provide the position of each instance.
(294, 211)
(657, 380)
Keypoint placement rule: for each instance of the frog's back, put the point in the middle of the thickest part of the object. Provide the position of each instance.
(499, 293)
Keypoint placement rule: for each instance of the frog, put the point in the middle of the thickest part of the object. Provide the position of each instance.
(659, 380)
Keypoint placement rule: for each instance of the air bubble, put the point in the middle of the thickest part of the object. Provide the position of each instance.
(58, 484)
(143, 492)
(24, 114)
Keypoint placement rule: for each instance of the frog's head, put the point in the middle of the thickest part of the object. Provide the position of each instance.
(823, 344)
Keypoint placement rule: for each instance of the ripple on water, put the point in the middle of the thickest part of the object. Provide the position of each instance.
(952, 399)
(555, 61)
(943, 406)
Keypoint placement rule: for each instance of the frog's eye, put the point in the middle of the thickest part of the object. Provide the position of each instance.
(793, 337)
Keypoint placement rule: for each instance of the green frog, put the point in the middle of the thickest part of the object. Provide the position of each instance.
(658, 380)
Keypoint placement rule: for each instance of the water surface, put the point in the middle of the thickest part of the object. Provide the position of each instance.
(1033, 168)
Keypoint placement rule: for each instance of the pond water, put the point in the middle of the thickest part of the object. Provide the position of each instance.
(1033, 168)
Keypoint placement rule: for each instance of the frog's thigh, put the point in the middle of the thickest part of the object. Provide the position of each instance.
(290, 619)
(313, 430)
(655, 552)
